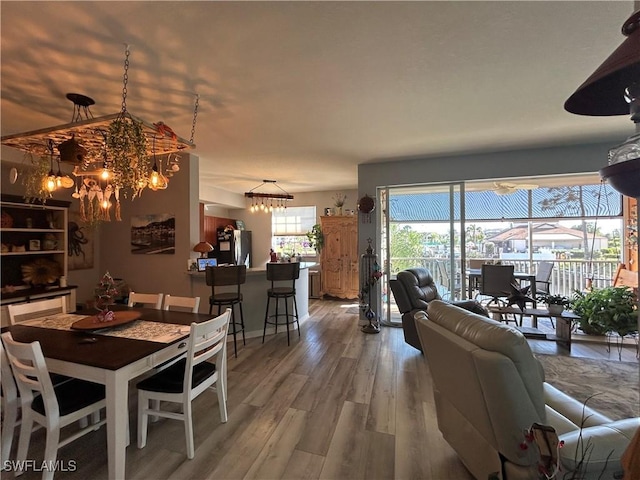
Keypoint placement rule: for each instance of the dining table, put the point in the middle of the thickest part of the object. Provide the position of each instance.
(474, 275)
(111, 356)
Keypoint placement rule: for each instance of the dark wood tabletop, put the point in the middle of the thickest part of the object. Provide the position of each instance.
(106, 352)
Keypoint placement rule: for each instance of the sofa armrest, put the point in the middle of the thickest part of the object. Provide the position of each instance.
(604, 446)
(575, 411)
(471, 305)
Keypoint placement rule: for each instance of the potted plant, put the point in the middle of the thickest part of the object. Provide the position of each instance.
(338, 201)
(555, 303)
(610, 309)
(316, 238)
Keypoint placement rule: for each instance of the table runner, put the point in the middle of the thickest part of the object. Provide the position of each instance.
(137, 330)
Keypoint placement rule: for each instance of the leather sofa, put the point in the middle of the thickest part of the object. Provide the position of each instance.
(489, 389)
(413, 289)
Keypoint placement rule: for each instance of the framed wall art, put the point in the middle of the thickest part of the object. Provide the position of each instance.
(81, 243)
(153, 234)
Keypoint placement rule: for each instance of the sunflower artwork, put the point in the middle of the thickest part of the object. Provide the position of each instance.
(41, 272)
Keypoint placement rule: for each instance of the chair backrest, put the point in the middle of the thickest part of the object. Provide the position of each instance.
(625, 278)
(476, 263)
(9, 388)
(152, 299)
(19, 312)
(226, 275)
(281, 272)
(207, 339)
(192, 303)
(30, 373)
(543, 277)
(419, 286)
(496, 280)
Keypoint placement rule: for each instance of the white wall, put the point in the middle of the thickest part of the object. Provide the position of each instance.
(156, 273)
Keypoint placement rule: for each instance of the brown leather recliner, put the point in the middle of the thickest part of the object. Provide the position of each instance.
(413, 289)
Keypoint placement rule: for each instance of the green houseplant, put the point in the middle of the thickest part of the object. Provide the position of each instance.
(316, 238)
(555, 303)
(127, 148)
(610, 309)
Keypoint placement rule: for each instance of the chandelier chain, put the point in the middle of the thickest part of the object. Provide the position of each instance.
(195, 118)
(125, 78)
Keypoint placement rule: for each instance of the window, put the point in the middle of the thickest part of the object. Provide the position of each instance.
(289, 231)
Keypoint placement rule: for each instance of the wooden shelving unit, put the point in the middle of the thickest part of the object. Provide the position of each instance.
(32, 231)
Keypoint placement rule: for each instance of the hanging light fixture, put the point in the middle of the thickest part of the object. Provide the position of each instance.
(614, 89)
(112, 154)
(268, 201)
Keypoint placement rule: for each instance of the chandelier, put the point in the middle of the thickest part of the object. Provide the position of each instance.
(113, 156)
(268, 201)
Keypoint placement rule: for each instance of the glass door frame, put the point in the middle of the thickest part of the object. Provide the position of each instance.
(383, 229)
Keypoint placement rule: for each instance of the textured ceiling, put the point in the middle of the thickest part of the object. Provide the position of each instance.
(303, 92)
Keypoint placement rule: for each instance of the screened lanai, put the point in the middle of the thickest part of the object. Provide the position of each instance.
(444, 226)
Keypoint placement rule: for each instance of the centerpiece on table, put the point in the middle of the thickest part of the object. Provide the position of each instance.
(105, 294)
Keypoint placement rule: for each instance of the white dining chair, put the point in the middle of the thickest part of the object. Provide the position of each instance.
(154, 300)
(186, 379)
(19, 312)
(10, 405)
(52, 407)
(192, 303)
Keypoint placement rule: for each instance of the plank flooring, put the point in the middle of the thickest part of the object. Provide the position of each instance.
(336, 404)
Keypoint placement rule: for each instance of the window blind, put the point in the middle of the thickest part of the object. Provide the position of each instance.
(293, 221)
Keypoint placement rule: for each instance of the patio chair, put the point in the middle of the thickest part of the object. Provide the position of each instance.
(445, 278)
(543, 282)
(543, 278)
(625, 278)
(496, 287)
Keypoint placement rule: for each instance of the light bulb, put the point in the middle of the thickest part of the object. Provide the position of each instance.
(105, 204)
(262, 207)
(154, 178)
(105, 174)
(51, 182)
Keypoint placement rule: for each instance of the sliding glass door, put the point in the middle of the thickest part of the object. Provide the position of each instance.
(422, 226)
(572, 222)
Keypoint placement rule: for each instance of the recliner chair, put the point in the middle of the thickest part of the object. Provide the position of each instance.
(413, 289)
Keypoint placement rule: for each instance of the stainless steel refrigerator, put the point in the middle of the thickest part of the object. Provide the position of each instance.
(234, 248)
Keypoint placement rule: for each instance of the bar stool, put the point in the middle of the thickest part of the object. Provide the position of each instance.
(222, 276)
(282, 272)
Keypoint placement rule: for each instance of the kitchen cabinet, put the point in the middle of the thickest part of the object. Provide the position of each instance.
(339, 257)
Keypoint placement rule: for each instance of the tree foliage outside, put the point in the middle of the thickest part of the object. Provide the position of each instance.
(407, 247)
(565, 200)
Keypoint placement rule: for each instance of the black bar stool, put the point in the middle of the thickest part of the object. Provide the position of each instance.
(222, 276)
(282, 272)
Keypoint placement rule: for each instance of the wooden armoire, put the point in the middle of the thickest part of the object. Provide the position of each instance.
(339, 256)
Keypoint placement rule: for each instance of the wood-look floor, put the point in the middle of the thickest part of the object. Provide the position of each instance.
(336, 404)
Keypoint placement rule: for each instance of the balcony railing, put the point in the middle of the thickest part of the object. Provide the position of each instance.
(567, 275)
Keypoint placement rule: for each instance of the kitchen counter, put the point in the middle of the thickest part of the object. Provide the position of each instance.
(254, 293)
